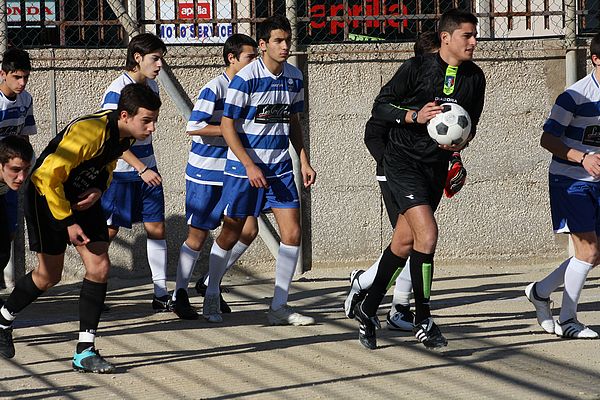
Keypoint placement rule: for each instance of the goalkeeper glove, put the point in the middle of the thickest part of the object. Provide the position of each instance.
(457, 175)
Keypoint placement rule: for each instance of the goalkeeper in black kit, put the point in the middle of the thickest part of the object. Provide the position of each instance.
(416, 168)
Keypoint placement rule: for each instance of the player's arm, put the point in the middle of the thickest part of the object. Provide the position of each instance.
(148, 175)
(255, 174)
(589, 161)
(297, 139)
(204, 108)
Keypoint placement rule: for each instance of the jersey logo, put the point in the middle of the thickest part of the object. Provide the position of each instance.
(450, 80)
(272, 114)
(410, 196)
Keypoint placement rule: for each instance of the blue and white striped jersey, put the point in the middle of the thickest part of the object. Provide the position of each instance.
(16, 116)
(575, 119)
(207, 156)
(141, 149)
(261, 105)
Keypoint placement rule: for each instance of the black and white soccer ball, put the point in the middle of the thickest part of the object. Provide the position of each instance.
(451, 127)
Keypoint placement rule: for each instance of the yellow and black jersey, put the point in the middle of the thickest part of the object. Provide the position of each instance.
(80, 157)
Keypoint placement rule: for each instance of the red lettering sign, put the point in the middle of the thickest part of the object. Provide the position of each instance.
(318, 12)
(186, 10)
(29, 10)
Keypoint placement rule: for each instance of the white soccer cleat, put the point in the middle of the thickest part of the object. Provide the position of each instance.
(573, 329)
(287, 316)
(210, 308)
(542, 309)
(355, 295)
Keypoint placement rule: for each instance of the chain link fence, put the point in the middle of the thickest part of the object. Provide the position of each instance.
(96, 24)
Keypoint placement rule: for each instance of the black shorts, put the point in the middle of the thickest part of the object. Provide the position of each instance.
(414, 183)
(48, 235)
(390, 203)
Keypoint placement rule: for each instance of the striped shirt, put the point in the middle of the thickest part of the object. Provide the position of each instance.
(207, 156)
(16, 116)
(143, 149)
(261, 105)
(575, 119)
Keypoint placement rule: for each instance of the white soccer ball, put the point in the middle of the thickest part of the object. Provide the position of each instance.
(451, 127)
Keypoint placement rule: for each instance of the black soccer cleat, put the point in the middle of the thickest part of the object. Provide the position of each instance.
(182, 306)
(90, 360)
(162, 304)
(428, 333)
(201, 290)
(366, 328)
(7, 347)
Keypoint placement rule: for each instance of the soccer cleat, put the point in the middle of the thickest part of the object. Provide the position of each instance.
(210, 309)
(182, 306)
(201, 290)
(400, 318)
(542, 308)
(90, 360)
(366, 328)
(286, 315)
(7, 347)
(428, 333)
(163, 303)
(574, 329)
(354, 295)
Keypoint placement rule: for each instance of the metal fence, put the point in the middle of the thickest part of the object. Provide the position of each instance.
(95, 23)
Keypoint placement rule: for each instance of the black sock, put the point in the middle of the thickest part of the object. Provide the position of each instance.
(421, 272)
(388, 264)
(91, 300)
(24, 293)
(81, 346)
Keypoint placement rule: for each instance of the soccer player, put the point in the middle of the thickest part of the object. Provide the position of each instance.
(416, 167)
(62, 206)
(136, 192)
(16, 118)
(400, 317)
(260, 119)
(571, 136)
(15, 159)
(204, 175)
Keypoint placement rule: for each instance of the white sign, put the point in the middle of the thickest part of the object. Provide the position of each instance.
(189, 33)
(32, 11)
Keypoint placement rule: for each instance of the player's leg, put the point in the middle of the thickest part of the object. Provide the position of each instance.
(5, 239)
(249, 233)
(282, 198)
(91, 300)
(42, 229)
(586, 256)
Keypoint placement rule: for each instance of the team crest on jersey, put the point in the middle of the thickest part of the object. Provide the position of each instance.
(449, 81)
(272, 113)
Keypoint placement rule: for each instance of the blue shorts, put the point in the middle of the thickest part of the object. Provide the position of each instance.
(575, 205)
(201, 205)
(12, 209)
(239, 199)
(125, 203)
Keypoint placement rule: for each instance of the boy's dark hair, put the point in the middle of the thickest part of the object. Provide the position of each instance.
(15, 59)
(144, 43)
(136, 95)
(263, 30)
(595, 46)
(235, 44)
(451, 20)
(427, 42)
(15, 146)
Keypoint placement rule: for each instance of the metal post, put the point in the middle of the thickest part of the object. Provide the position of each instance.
(174, 89)
(570, 43)
(3, 27)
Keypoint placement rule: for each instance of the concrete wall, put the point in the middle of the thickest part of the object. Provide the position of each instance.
(501, 213)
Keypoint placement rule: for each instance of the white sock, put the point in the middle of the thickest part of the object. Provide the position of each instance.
(365, 280)
(575, 275)
(217, 265)
(550, 283)
(157, 258)
(284, 272)
(238, 249)
(185, 267)
(403, 287)
(87, 337)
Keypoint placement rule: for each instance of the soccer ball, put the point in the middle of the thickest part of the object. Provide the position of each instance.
(451, 127)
